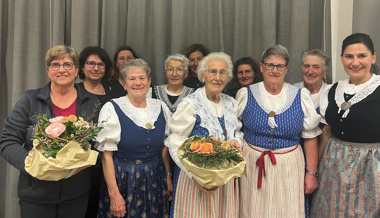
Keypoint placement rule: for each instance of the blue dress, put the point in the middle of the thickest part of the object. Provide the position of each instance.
(139, 170)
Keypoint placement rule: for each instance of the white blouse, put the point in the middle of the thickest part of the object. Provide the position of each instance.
(316, 96)
(183, 121)
(274, 102)
(109, 137)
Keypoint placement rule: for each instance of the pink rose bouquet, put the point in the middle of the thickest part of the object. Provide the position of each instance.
(51, 135)
(61, 145)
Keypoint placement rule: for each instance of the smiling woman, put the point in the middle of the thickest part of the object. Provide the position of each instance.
(350, 159)
(95, 68)
(207, 112)
(176, 70)
(314, 68)
(60, 97)
(137, 180)
(276, 115)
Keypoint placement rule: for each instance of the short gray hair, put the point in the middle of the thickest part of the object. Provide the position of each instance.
(203, 64)
(124, 69)
(319, 53)
(278, 51)
(178, 57)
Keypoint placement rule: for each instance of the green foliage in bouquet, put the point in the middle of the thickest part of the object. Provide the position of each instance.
(208, 152)
(51, 135)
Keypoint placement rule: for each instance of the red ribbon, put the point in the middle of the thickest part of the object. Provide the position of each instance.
(260, 163)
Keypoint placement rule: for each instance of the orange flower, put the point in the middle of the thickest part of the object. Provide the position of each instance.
(65, 119)
(226, 145)
(195, 145)
(207, 148)
(73, 118)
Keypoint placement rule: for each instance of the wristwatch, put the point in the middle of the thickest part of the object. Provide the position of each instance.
(313, 173)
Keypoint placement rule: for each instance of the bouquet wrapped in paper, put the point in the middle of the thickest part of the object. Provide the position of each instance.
(211, 162)
(61, 145)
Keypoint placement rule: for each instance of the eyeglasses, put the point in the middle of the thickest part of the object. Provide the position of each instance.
(178, 71)
(214, 72)
(280, 67)
(92, 64)
(67, 65)
(128, 59)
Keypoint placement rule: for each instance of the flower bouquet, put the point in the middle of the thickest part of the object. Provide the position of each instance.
(211, 162)
(61, 145)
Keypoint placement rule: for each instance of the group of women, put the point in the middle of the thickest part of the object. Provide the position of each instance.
(290, 151)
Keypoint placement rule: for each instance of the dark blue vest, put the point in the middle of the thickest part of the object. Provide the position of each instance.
(137, 142)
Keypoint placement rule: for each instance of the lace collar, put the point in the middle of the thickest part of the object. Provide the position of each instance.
(209, 120)
(162, 94)
(291, 94)
(367, 88)
(153, 110)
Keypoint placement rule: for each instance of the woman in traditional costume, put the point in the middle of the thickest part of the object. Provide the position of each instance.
(135, 161)
(349, 181)
(275, 116)
(206, 112)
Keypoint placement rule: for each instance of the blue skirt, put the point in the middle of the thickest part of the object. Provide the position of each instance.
(142, 183)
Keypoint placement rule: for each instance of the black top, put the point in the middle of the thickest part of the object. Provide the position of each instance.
(113, 90)
(361, 124)
(192, 82)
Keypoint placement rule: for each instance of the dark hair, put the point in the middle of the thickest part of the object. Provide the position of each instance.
(364, 39)
(358, 38)
(102, 54)
(122, 48)
(255, 65)
(196, 47)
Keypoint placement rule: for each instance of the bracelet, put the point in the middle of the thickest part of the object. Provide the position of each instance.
(312, 173)
(169, 174)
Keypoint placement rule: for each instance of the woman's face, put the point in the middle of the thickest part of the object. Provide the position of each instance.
(357, 60)
(245, 75)
(175, 72)
(91, 68)
(274, 77)
(62, 76)
(313, 70)
(123, 57)
(137, 82)
(215, 83)
(194, 59)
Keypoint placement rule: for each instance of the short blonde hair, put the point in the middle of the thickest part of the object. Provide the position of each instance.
(59, 52)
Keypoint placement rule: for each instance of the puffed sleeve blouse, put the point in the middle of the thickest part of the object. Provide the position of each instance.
(183, 121)
(311, 119)
(109, 137)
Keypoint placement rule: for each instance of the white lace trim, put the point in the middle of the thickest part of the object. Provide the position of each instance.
(290, 96)
(162, 94)
(209, 120)
(367, 89)
(153, 109)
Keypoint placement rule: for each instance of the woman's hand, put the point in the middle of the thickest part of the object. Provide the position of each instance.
(203, 189)
(236, 145)
(169, 182)
(81, 168)
(311, 183)
(117, 206)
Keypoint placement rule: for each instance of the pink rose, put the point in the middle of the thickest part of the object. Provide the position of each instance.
(56, 119)
(55, 129)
